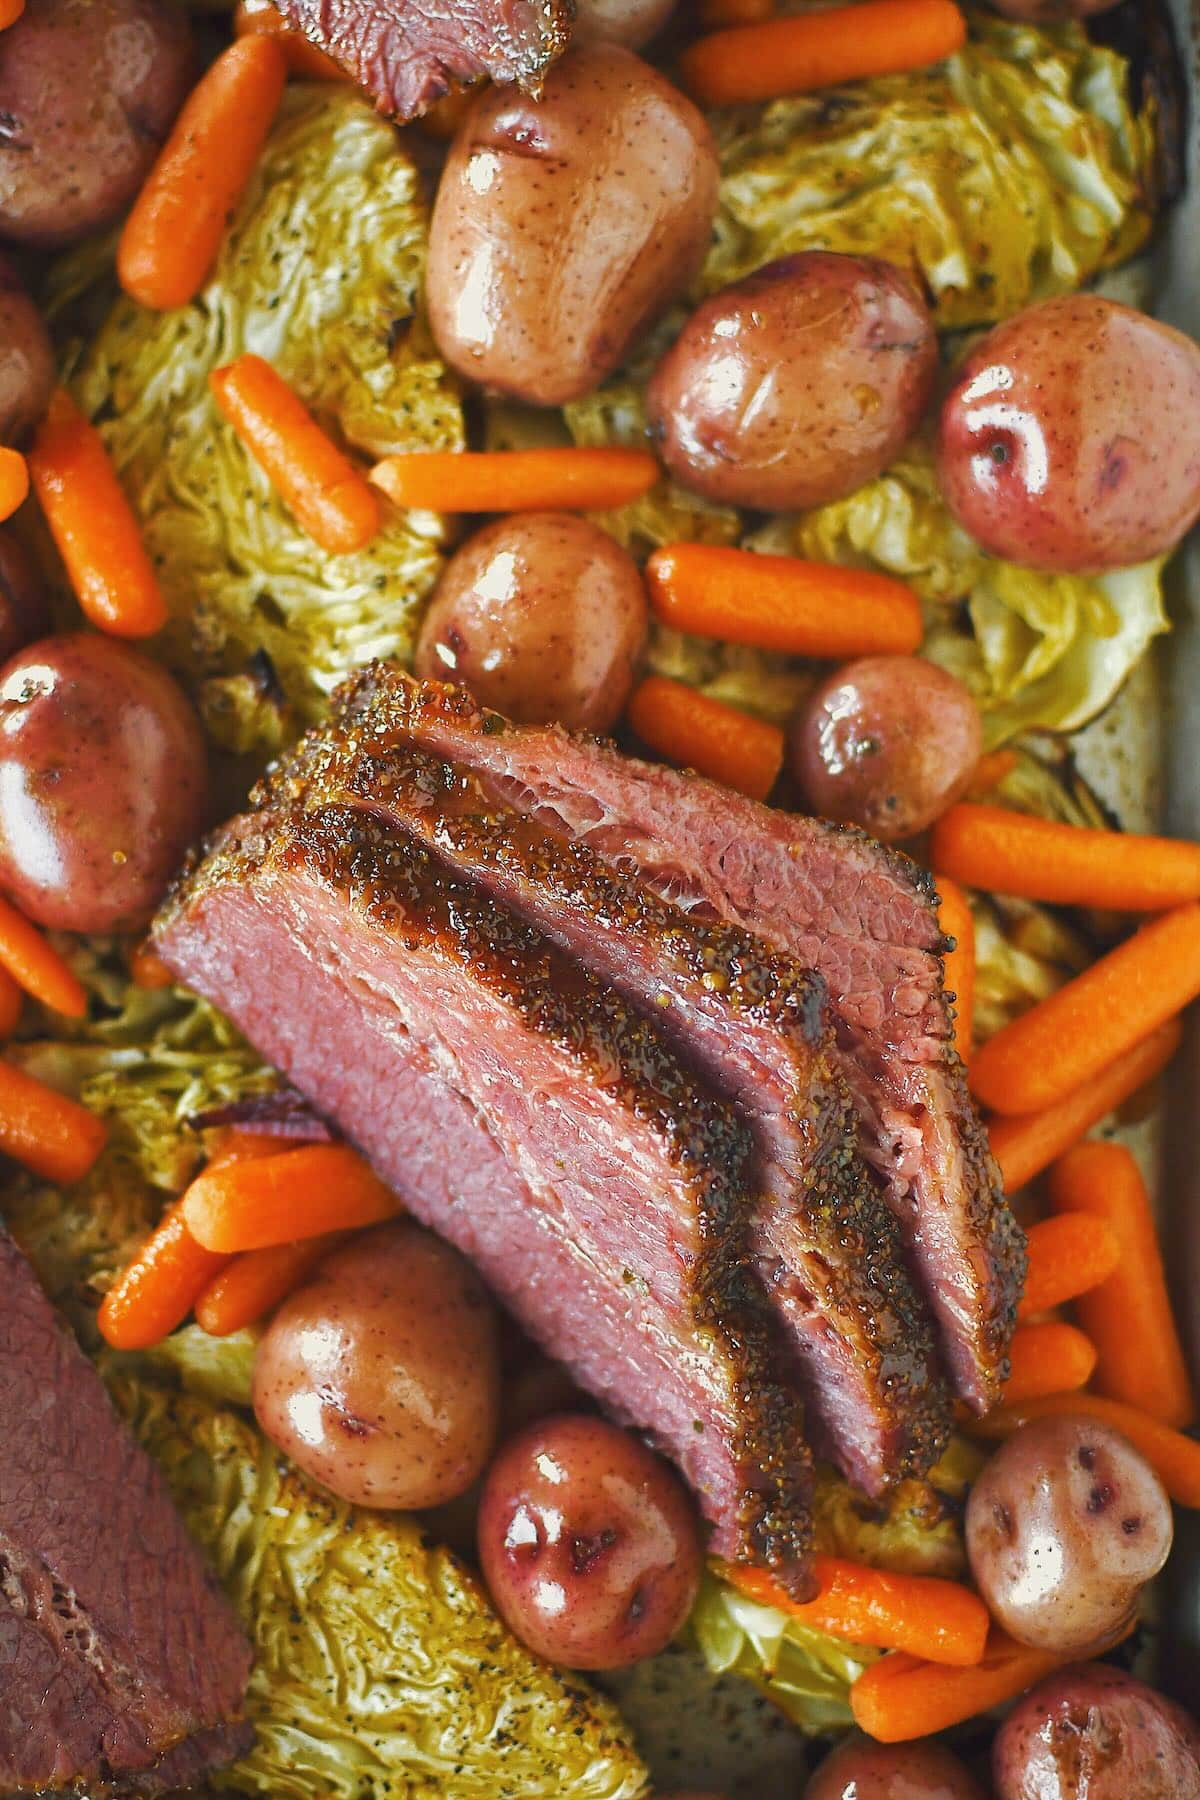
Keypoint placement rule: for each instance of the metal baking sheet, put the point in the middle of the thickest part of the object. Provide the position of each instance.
(1178, 290)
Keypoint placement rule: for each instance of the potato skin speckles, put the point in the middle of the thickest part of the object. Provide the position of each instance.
(1071, 439)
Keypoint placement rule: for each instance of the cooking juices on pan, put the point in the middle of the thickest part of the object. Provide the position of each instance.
(678, 1077)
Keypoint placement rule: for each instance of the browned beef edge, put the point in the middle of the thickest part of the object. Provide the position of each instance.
(416, 909)
(827, 1247)
(407, 53)
(863, 916)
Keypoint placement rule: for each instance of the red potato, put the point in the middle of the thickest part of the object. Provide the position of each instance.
(1071, 438)
(380, 1377)
(542, 616)
(629, 22)
(103, 782)
(24, 607)
(27, 371)
(1093, 1733)
(588, 1543)
(564, 225)
(797, 384)
(88, 93)
(861, 1769)
(888, 743)
(1064, 1528)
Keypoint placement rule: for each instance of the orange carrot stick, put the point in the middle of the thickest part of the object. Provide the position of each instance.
(781, 603)
(14, 480)
(990, 771)
(955, 918)
(1174, 1457)
(503, 481)
(44, 1130)
(1128, 1316)
(940, 1620)
(12, 999)
(1068, 1254)
(700, 733)
(1050, 1357)
(159, 1288)
(171, 238)
(716, 13)
(320, 486)
(1029, 1143)
(899, 1697)
(258, 1281)
(258, 18)
(93, 524)
(10, 12)
(1066, 865)
(147, 969)
(1068, 1038)
(234, 1146)
(794, 55)
(36, 966)
(279, 1199)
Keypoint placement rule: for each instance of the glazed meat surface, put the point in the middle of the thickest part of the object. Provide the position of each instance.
(863, 917)
(408, 53)
(529, 1115)
(756, 1026)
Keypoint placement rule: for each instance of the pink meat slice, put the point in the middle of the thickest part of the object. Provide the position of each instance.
(862, 916)
(530, 1117)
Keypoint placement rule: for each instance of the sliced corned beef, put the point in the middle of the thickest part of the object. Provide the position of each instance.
(528, 1115)
(408, 53)
(826, 1247)
(121, 1664)
(863, 917)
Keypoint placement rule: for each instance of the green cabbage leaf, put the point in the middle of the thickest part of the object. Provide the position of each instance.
(320, 274)
(1011, 171)
(380, 1671)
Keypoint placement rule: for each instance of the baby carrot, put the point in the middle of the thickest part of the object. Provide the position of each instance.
(14, 481)
(1029, 1143)
(1050, 1357)
(147, 969)
(320, 486)
(1068, 1254)
(1174, 1457)
(990, 771)
(956, 921)
(780, 602)
(44, 1130)
(1066, 865)
(171, 238)
(10, 12)
(562, 479)
(93, 524)
(689, 728)
(715, 13)
(159, 1288)
(12, 999)
(1067, 1039)
(1128, 1316)
(900, 1697)
(258, 18)
(257, 1281)
(36, 966)
(794, 55)
(940, 1620)
(279, 1199)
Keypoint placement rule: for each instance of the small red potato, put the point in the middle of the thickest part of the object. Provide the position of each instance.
(1071, 439)
(1093, 1733)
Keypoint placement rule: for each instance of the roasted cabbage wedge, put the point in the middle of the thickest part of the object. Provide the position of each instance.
(320, 273)
(1011, 171)
(380, 1670)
